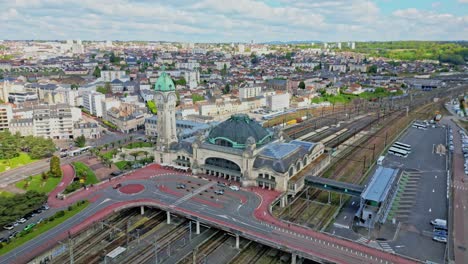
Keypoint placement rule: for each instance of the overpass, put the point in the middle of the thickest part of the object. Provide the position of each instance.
(244, 213)
(334, 186)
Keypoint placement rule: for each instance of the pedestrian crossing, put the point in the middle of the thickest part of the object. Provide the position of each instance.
(362, 240)
(386, 247)
(190, 195)
(460, 187)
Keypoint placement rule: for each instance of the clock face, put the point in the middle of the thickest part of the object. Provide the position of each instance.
(159, 98)
(172, 98)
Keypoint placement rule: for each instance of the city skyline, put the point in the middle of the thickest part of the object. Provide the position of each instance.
(236, 21)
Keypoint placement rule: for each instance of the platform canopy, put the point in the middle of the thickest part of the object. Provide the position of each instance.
(117, 251)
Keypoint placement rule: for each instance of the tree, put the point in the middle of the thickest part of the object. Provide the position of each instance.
(106, 146)
(123, 156)
(74, 86)
(108, 87)
(44, 176)
(135, 154)
(55, 169)
(372, 69)
(227, 89)
(80, 141)
(301, 85)
(97, 72)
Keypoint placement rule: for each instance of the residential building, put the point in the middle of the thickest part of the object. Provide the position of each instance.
(89, 130)
(53, 121)
(277, 102)
(6, 114)
(109, 76)
(249, 92)
(92, 103)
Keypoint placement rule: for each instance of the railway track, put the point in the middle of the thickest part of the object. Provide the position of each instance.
(83, 246)
(146, 254)
(251, 254)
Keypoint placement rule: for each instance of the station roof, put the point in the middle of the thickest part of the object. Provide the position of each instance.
(380, 184)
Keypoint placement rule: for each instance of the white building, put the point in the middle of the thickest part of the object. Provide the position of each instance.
(353, 45)
(338, 45)
(249, 92)
(109, 76)
(53, 121)
(241, 48)
(220, 65)
(192, 78)
(92, 102)
(190, 65)
(278, 102)
(6, 114)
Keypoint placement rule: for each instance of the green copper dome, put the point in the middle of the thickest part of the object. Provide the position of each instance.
(235, 131)
(164, 83)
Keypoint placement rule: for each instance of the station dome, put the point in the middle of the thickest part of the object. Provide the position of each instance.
(237, 130)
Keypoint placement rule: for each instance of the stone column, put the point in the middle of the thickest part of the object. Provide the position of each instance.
(168, 218)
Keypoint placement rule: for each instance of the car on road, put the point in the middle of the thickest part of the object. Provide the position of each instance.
(9, 227)
(219, 192)
(13, 234)
(440, 239)
(221, 184)
(21, 220)
(180, 186)
(118, 185)
(29, 227)
(234, 188)
(45, 207)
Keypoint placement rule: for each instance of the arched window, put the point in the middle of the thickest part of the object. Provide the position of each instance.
(304, 160)
(291, 172)
(224, 143)
(222, 163)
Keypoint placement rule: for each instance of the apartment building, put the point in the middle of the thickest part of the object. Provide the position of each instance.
(6, 114)
(92, 102)
(53, 121)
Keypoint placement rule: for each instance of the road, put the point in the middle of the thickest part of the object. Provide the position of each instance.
(460, 198)
(245, 211)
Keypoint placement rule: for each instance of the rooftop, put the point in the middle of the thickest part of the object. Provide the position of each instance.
(380, 184)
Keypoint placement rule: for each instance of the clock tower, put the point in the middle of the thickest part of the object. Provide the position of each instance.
(165, 99)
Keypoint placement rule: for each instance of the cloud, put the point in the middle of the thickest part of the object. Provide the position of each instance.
(226, 21)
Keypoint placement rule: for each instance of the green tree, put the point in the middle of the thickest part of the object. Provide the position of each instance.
(74, 86)
(97, 72)
(80, 141)
(227, 89)
(197, 97)
(135, 154)
(55, 169)
(301, 85)
(372, 69)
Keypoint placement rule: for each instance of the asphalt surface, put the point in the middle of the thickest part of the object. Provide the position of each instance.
(425, 198)
(245, 211)
(459, 189)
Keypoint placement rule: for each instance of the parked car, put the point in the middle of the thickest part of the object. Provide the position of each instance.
(21, 220)
(181, 186)
(221, 184)
(29, 227)
(219, 192)
(45, 207)
(440, 239)
(3, 239)
(234, 188)
(9, 227)
(118, 185)
(13, 234)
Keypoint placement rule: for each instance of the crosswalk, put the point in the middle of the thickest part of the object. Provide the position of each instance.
(362, 240)
(386, 247)
(190, 195)
(459, 187)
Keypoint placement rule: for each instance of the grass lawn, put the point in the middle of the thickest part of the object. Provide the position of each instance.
(42, 227)
(5, 194)
(121, 164)
(83, 171)
(21, 160)
(37, 184)
(110, 154)
(138, 145)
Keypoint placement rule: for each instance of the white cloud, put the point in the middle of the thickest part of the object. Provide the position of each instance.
(227, 20)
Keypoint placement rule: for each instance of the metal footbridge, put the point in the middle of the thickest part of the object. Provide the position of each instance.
(334, 186)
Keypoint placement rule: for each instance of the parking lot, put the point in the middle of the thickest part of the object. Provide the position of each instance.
(9, 231)
(422, 195)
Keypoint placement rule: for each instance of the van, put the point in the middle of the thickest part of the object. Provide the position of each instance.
(439, 222)
(380, 160)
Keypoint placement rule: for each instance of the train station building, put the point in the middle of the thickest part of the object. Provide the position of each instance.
(239, 149)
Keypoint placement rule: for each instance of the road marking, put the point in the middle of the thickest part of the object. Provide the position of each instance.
(190, 195)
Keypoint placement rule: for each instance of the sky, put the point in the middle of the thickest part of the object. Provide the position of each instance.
(235, 20)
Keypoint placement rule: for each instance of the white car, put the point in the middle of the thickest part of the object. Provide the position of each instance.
(9, 227)
(22, 220)
(440, 239)
(234, 188)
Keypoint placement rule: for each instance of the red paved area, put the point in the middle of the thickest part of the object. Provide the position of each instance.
(132, 188)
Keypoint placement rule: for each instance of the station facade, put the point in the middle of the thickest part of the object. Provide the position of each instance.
(239, 149)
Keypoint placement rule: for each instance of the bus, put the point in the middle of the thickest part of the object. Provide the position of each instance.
(420, 126)
(398, 152)
(402, 146)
